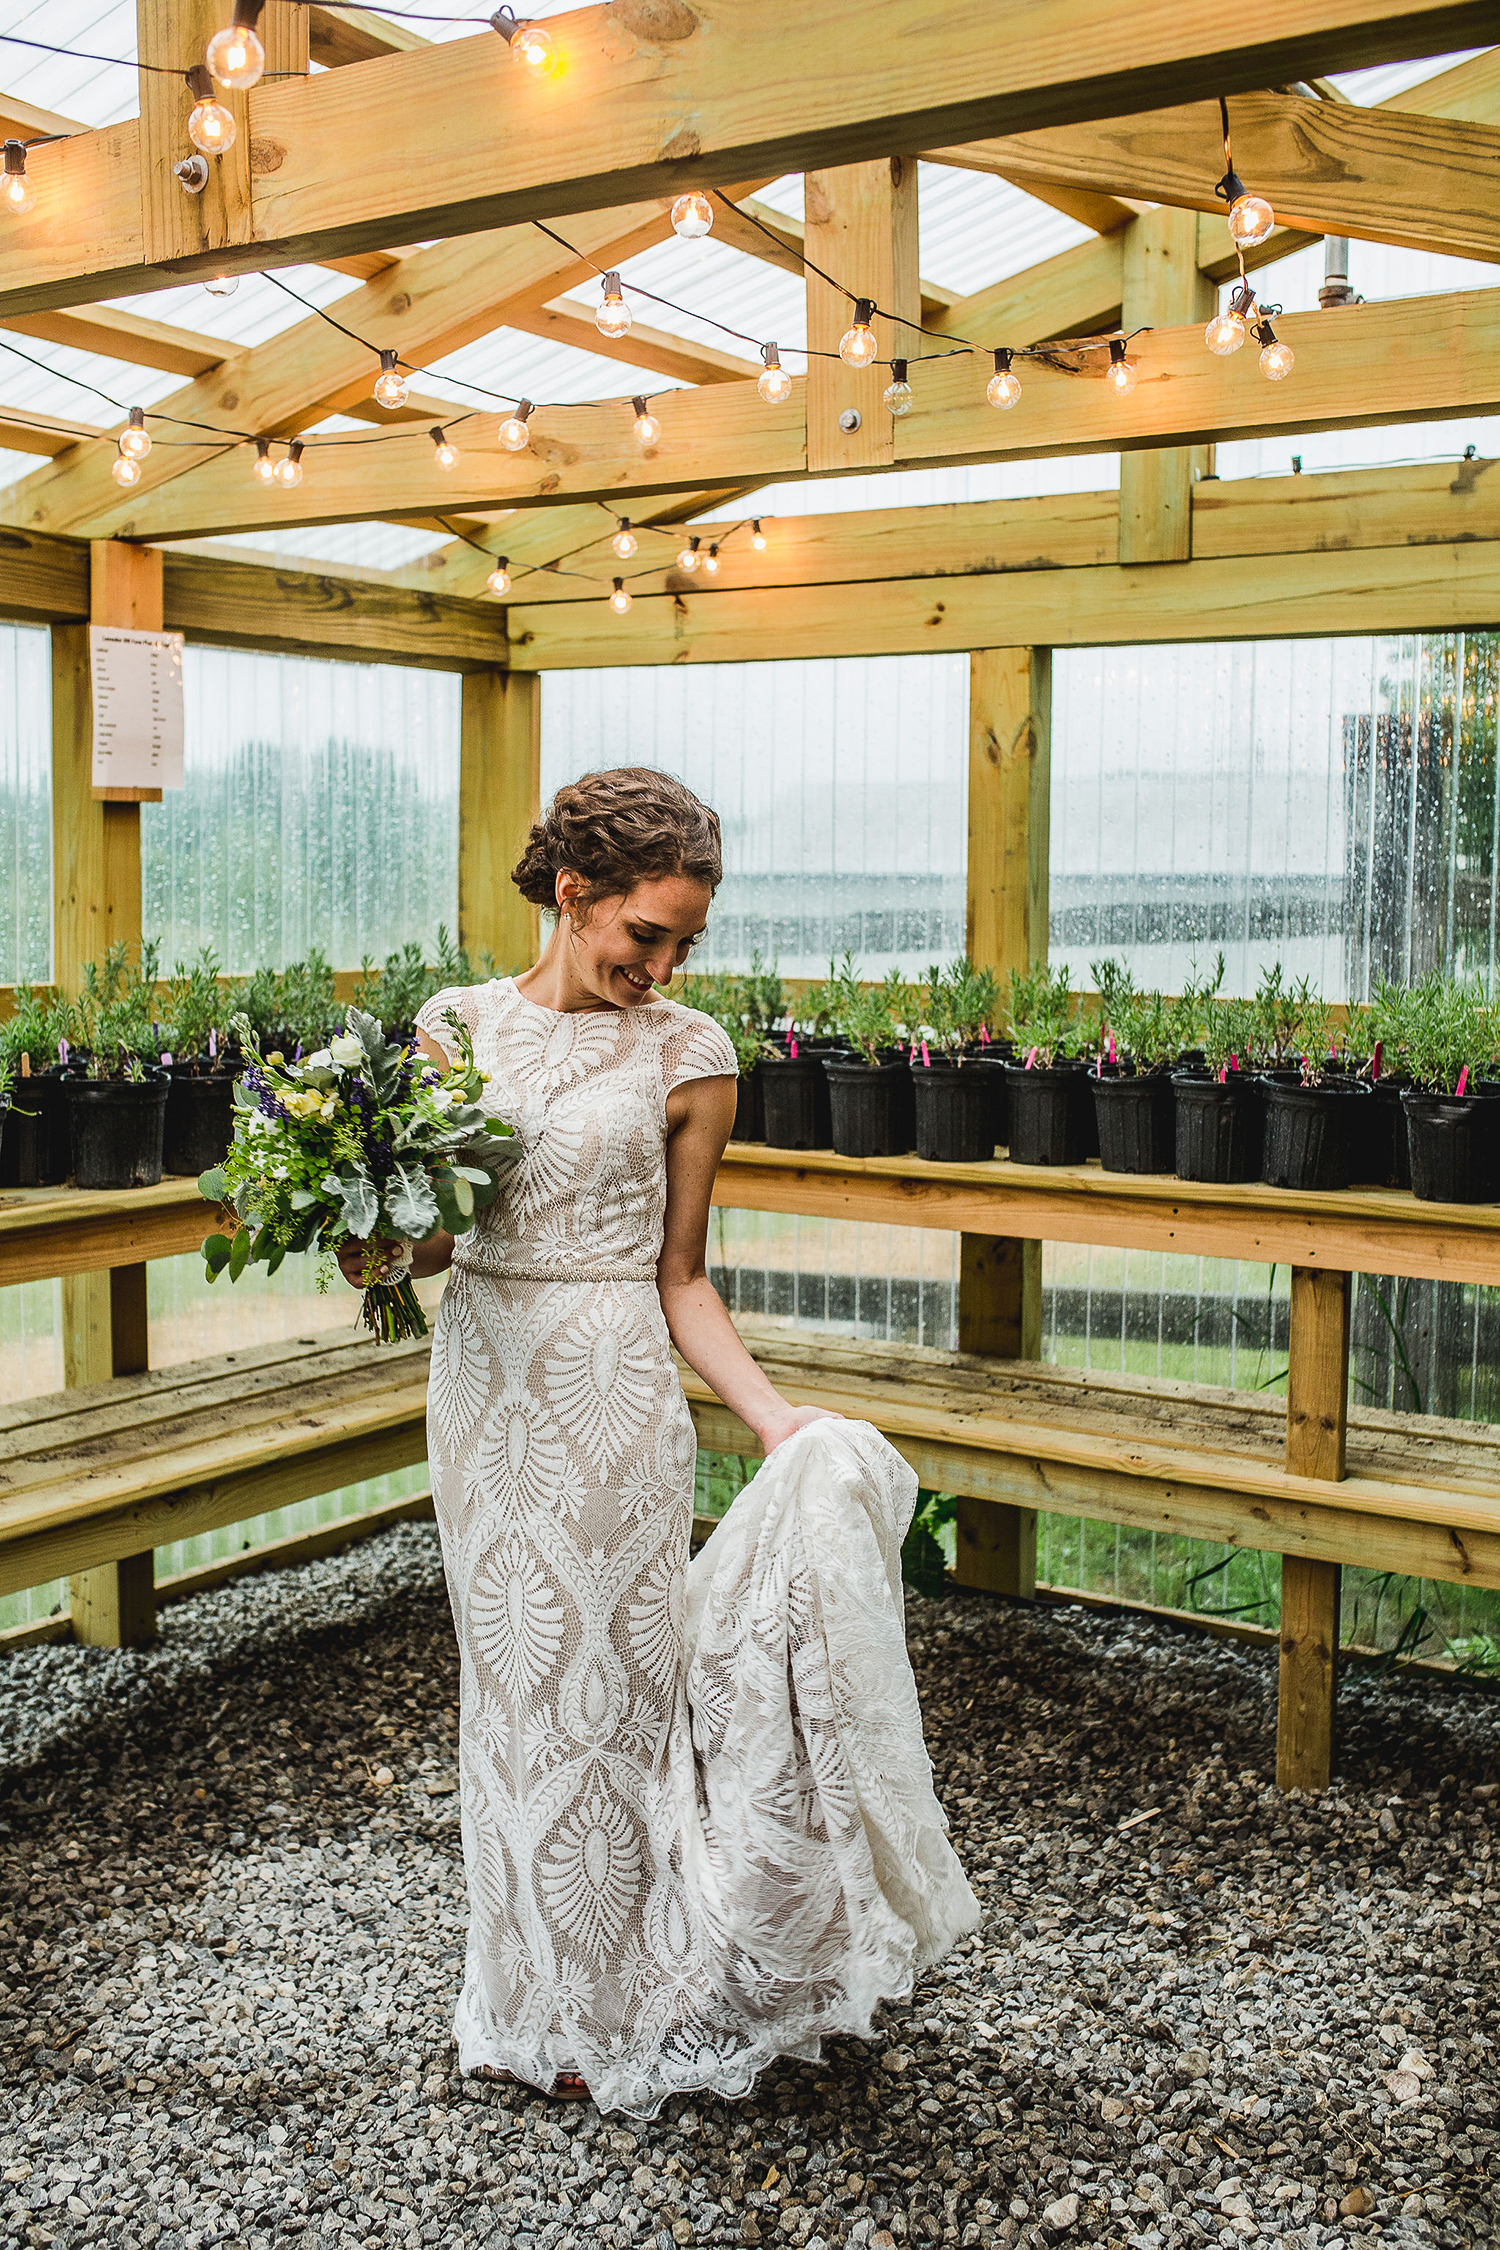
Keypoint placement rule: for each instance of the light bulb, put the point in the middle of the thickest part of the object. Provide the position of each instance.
(514, 435)
(774, 385)
(1004, 387)
(289, 471)
(896, 397)
(757, 537)
(647, 428)
(498, 581)
(222, 285)
(210, 127)
(124, 470)
(263, 468)
(135, 440)
(532, 46)
(619, 600)
(14, 185)
(624, 541)
(1250, 220)
(711, 563)
(692, 215)
(613, 315)
(444, 451)
(1225, 332)
(689, 558)
(857, 345)
(390, 383)
(1276, 358)
(236, 56)
(1120, 373)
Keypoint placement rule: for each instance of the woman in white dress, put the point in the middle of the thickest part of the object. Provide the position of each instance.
(676, 1868)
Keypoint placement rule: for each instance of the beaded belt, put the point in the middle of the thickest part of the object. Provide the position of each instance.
(499, 1270)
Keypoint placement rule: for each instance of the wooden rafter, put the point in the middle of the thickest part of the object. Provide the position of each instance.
(655, 349)
(126, 336)
(24, 430)
(452, 139)
(337, 36)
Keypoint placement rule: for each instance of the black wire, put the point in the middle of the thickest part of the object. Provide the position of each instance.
(131, 62)
(309, 306)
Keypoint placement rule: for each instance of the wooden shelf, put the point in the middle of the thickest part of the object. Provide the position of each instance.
(64, 1230)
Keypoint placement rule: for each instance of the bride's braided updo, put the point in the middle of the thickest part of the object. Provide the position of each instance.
(616, 829)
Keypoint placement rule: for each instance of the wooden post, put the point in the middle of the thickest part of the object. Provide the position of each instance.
(1000, 1279)
(174, 223)
(861, 227)
(1163, 287)
(499, 796)
(1317, 1397)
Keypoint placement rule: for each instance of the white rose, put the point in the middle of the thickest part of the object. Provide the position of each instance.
(346, 1051)
(441, 1098)
(319, 1061)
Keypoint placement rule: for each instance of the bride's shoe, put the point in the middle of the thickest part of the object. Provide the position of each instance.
(567, 2086)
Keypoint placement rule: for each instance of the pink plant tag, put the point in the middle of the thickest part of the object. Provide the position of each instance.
(1031, 1059)
(1463, 1080)
(984, 1035)
(792, 1049)
(926, 1058)
(1234, 1062)
(1111, 1042)
(1223, 1074)
(167, 1061)
(1375, 1059)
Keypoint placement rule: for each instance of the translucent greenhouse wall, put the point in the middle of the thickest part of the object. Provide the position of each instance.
(26, 802)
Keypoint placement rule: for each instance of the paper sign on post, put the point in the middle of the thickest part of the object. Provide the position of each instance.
(137, 709)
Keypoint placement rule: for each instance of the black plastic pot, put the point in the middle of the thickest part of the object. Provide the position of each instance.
(200, 1119)
(991, 1068)
(1380, 1156)
(1137, 1121)
(954, 1106)
(750, 1104)
(795, 1093)
(1220, 1127)
(1047, 1114)
(1310, 1133)
(36, 1150)
(117, 1130)
(1447, 1137)
(869, 1104)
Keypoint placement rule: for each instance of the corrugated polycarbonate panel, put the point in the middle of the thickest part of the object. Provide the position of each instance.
(841, 785)
(320, 808)
(26, 803)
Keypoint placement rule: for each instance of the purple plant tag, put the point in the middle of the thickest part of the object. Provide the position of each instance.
(213, 1043)
(167, 1060)
(1375, 1059)
(62, 1051)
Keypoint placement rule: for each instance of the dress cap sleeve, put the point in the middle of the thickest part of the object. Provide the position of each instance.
(699, 1048)
(464, 998)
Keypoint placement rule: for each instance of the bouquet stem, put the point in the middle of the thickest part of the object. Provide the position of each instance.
(393, 1313)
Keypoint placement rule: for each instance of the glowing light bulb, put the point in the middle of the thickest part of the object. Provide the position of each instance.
(647, 428)
(1276, 358)
(135, 440)
(263, 468)
(390, 383)
(514, 435)
(689, 557)
(444, 451)
(896, 397)
(289, 471)
(1250, 220)
(613, 315)
(222, 285)
(530, 45)
(1004, 387)
(125, 470)
(624, 541)
(1225, 332)
(498, 581)
(236, 56)
(211, 128)
(711, 563)
(619, 600)
(774, 385)
(758, 538)
(857, 345)
(1121, 372)
(692, 215)
(15, 188)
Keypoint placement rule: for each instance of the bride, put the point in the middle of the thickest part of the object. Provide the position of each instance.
(698, 1821)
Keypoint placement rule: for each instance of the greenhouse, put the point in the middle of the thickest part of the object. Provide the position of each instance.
(877, 1618)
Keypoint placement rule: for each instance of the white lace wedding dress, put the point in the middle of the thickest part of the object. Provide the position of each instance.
(698, 1819)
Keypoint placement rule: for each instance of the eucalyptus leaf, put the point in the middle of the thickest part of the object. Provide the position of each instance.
(216, 1249)
(212, 1184)
(239, 1253)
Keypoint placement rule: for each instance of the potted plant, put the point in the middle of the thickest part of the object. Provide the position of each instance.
(293, 1010)
(36, 1150)
(1446, 1031)
(1134, 1103)
(869, 1087)
(1310, 1117)
(954, 1094)
(761, 1001)
(200, 1060)
(794, 1086)
(1050, 1104)
(1219, 1109)
(118, 1107)
(1377, 1035)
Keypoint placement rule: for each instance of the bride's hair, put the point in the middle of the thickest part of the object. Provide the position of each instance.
(616, 829)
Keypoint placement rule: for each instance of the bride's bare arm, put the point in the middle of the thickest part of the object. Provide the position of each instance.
(699, 1118)
(435, 1255)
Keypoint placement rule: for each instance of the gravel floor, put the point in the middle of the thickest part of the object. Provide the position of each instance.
(231, 1875)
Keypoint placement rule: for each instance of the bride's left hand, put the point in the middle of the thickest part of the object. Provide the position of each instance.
(790, 1420)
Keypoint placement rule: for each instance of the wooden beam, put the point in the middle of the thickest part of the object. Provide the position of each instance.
(126, 336)
(1416, 359)
(1076, 293)
(309, 613)
(655, 349)
(1317, 1413)
(337, 36)
(1422, 182)
(42, 579)
(861, 221)
(1162, 289)
(174, 224)
(47, 434)
(20, 121)
(452, 139)
(1471, 89)
(499, 797)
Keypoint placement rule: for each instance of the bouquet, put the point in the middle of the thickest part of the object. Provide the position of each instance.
(365, 1141)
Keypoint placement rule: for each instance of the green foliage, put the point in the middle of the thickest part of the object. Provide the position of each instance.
(395, 991)
(198, 1000)
(39, 1021)
(765, 999)
(923, 1565)
(1229, 1034)
(1446, 1029)
(1146, 1030)
(114, 1013)
(295, 1004)
(1041, 1014)
(817, 1010)
(1281, 1017)
(955, 1002)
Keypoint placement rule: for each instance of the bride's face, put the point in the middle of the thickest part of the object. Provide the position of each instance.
(621, 947)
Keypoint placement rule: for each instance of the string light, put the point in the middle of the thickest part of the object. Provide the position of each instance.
(624, 541)
(613, 316)
(1004, 387)
(896, 397)
(289, 471)
(774, 384)
(15, 188)
(514, 435)
(689, 557)
(263, 468)
(528, 42)
(711, 562)
(1276, 358)
(857, 345)
(498, 581)
(222, 285)
(1120, 373)
(647, 428)
(619, 600)
(236, 56)
(210, 126)
(692, 215)
(390, 383)
(1225, 333)
(757, 537)
(445, 452)
(1250, 216)
(135, 439)
(125, 469)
